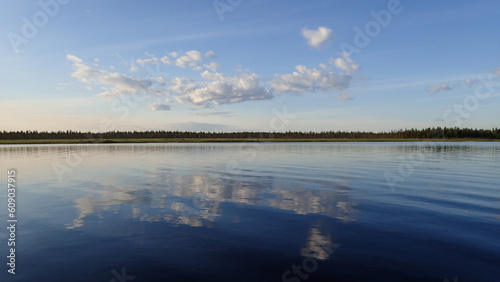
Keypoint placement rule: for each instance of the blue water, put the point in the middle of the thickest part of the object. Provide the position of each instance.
(255, 212)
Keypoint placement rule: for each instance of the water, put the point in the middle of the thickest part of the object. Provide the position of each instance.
(255, 212)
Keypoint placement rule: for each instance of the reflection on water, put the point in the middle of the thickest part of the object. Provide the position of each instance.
(191, 212)
(319, 246)
(196, 200)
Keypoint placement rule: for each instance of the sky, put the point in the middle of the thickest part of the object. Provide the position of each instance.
(241, 65)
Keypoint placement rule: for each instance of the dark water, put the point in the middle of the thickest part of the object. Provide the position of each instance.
(255, 212)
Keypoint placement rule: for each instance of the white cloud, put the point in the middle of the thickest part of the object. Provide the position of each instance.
(316, 38)
(215, 88)
(191, 59)
(497, 71)
(133, 67)
(115, 84)
(345, 63)
(210, 54)
(325, 67)
(165, 60)
(212, 66)
(313, 80)
(144, 62)
(195, 55)
(159, 107)
(219, 89)
(153, 60)
(74, 59)
(181, 59)
(310, 80)
(440, 87)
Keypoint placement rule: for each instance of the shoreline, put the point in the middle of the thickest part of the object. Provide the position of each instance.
(229, 140)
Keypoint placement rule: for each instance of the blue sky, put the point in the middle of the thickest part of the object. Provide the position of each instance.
(231, 65)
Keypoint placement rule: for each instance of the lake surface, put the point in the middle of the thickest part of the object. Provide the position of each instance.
(255, 212)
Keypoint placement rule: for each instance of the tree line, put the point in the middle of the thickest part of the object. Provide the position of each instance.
(426, 133)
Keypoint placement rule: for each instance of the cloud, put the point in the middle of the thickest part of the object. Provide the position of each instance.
(440, 87)
(115, 84)
(159, 107)
(210, 54)
(344, 63)
(214, 88)
(497, 71)
(219, 89)
(316, 38)
(133, 67)
(144, 62)
(325, 67)
(73, 58)
(345, 96)
(471, 82)
(188, 59)
(315, 80)
(212, 66)
(191, 58)
(219, 113)
(309, 80)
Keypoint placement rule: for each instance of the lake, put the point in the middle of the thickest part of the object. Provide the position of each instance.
(254, 212)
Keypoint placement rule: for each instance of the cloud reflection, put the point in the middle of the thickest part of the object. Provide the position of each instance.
(197, 200)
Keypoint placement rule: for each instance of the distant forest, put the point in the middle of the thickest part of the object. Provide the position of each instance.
(427, 133)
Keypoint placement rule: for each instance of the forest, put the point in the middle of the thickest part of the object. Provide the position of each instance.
(427, 133)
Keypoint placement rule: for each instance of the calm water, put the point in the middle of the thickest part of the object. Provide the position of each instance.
(255, 212)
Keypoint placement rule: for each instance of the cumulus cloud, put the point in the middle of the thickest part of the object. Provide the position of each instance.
(309, 80)
(191, 59)
(344, 63)
(216, 88)
(497, 71)
(440, 87)
(316, 38)
(159, 107)
(73, 58)
(212, 66)
(306, 79)
(219, 89)
(325, 67)
(144, 62)
(210, 54)
(115, 84)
